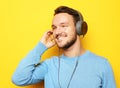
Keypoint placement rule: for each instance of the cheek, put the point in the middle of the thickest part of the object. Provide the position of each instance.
(71, 33)
(71, 29)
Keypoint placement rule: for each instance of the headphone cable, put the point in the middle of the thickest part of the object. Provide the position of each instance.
(72, 72)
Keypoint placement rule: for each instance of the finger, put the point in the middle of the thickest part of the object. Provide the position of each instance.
(49, 33)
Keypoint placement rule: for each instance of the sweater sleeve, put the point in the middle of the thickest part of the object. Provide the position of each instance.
(108, 77)
(26, 72)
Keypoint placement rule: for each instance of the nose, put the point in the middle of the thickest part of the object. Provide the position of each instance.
(57, 31)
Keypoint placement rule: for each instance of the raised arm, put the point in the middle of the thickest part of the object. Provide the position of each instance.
(27, 72)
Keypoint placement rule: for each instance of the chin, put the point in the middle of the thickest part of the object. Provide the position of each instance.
(61, 45)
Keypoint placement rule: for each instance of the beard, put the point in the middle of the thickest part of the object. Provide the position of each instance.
(69, 43)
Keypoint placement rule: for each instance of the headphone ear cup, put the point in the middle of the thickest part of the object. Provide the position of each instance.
(78, 27)
(81, 28)
(84, 28)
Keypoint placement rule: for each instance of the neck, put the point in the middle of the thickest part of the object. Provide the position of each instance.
(75, 50)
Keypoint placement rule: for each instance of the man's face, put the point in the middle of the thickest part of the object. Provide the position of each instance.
(64, 30)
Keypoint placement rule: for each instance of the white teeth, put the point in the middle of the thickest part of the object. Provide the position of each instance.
(60, 38)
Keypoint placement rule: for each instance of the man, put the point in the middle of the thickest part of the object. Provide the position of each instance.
(75, 68)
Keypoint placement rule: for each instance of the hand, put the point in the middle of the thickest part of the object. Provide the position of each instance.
(48, 39)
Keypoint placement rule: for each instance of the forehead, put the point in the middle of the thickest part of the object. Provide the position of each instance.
(62, 18)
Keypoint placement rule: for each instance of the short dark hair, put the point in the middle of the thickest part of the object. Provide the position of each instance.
(77, 16)
(64, 9)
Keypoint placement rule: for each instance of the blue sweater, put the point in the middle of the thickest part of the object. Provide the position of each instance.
(92, 71)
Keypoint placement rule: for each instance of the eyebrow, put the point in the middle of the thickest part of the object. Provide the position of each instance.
(60, 24)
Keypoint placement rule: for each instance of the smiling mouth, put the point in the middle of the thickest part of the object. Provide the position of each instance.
(61, 36)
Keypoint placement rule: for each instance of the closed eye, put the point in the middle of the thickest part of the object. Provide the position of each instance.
(53, 27)
(64, 25)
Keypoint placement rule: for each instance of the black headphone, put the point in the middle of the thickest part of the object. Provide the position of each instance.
(81, 25)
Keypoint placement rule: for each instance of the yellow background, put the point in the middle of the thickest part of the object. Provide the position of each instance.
(23, 22)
